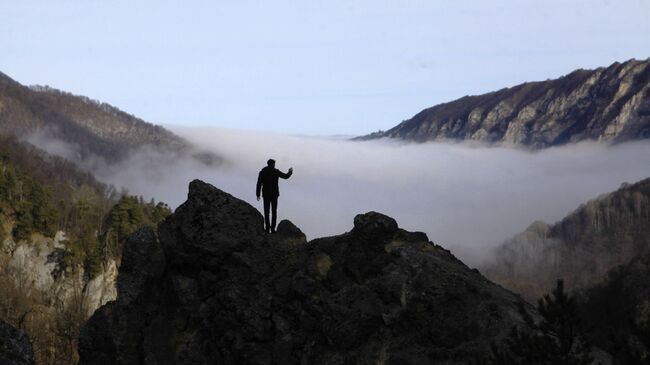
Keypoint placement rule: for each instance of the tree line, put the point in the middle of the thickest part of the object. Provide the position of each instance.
(42, 194)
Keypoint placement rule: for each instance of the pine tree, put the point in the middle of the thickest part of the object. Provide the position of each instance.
(556, 339)
(24, 221)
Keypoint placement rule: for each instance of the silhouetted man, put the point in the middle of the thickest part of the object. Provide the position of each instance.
(267, 183)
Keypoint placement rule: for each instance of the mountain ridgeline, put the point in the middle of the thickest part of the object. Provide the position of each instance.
(93, 128)
(606, 104)
(582, 248)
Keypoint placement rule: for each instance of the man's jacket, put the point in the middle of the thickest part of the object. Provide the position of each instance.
(267, 182)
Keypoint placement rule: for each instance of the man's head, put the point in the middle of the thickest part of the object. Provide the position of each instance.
(271, 162)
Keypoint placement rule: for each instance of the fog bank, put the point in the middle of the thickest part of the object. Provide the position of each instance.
(466, 198)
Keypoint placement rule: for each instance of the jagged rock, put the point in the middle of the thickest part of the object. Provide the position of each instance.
(15, 348)
(289, 233)
(208, 227)
(606, 104)
(374, 223)
(142, 262)
(231, 294)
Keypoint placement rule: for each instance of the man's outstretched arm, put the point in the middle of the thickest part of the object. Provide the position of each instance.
(287, 175)
(258, 189)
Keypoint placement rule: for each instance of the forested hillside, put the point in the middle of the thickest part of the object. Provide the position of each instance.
(598, 236)
(61, 233)
(92, 128)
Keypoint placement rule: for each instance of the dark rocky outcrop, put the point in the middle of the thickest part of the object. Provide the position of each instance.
(15, 348)
(606, 104)
(212, 288)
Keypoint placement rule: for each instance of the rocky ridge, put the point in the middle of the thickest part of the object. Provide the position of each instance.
(211, 287)
(609, 104)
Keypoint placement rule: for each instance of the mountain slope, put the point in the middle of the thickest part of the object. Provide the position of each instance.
(94, 128)
(600, 235)
(212, 287)
(606, 104)
(61, 233)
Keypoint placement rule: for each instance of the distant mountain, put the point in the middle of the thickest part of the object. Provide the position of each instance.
(606, 104)
(611, 230)
(94, 128)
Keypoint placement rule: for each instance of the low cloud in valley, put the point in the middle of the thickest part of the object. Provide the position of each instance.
(467, 198)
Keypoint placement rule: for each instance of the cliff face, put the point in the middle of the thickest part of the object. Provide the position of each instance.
(606, 232)
(48, 296)
(39, 266)
(94, 128)
(607, 104)
(212, 287)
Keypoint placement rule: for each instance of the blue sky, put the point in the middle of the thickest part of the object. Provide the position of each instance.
(307, 67)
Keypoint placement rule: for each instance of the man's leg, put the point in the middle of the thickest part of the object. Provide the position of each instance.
(267, 203)
(274, 209)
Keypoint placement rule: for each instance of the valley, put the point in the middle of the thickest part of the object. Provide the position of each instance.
(92, 259)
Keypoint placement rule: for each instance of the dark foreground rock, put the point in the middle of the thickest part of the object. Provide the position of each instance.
(15, 348)
(212, 288)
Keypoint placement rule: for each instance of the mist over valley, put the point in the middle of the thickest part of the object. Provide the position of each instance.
(467, 197)
(462, 183)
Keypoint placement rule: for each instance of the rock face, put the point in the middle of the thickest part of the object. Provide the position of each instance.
(212, 288)
(607, 104)
(600, 235)
(38, 266)
(15, 348)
